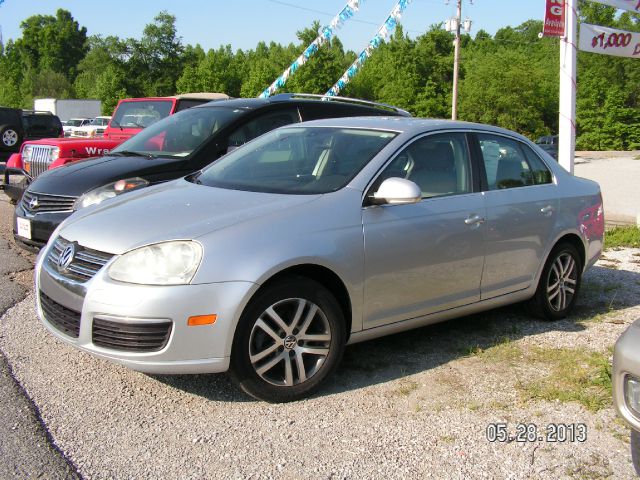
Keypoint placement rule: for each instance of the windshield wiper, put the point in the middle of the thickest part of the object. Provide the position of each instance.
(131, 153)
(114, 123)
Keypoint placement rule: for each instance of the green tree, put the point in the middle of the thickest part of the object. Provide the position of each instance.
(53, 43)
(157, 59)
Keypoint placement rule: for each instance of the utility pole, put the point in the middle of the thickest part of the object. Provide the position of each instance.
(456, 61)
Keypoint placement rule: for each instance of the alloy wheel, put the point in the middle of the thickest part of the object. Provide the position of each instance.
(562, 282)
(289, 342)
(10, 138)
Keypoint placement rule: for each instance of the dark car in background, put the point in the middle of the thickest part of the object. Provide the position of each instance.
(18, 126)
(549, 143)
(170, 148)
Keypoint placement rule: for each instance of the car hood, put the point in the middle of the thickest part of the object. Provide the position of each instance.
(170, 211)
(79, 177)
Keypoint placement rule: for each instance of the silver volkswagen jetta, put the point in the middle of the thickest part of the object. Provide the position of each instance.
(272, 259)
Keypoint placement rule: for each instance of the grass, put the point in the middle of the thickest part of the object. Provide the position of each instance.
(625, 236)
(571, 375)
(406, 387)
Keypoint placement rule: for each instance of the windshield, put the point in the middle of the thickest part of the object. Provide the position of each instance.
(100, 121)
(180, 134)
(297, 160)
(141, 114)
(74, 122)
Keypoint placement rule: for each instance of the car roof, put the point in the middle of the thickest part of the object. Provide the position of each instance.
(410, 125)
(301, 99)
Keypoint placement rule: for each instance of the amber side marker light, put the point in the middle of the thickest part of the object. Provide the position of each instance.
(202, 320)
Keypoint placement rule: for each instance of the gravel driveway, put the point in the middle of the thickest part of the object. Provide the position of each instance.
(414, 405)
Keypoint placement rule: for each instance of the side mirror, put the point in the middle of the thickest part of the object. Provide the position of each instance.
(397, 191)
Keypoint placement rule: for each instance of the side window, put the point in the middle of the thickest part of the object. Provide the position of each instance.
(262, 124)
(438, 164)
(539, 170)
(504, 163)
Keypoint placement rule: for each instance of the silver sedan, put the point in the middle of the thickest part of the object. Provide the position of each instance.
(626, 385)
(272, 259)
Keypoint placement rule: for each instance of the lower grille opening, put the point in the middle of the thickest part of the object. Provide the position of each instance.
(62, 318)
(131, 337)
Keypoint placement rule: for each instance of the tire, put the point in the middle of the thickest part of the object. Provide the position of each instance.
(635, 450)
(9, 137)
(559, 284)
(289, 339)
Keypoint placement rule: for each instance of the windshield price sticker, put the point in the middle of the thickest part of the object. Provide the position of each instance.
(609, 41)
(530, 432)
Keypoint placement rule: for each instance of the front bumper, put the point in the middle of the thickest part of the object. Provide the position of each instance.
(195, 349)
(42, 226)
(14, 183)
(626, 361)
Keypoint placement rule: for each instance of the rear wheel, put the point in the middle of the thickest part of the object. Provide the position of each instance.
(559, 284)
(289, 339)
(9, 136)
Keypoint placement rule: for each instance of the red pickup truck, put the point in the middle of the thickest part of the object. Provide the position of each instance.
(130, 116)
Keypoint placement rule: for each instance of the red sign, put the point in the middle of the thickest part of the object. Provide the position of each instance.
(554, 19)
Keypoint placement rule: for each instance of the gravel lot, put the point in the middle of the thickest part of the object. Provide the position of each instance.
(414, 405)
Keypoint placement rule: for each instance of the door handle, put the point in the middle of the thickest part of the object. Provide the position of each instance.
(474, 220)
(548, 210)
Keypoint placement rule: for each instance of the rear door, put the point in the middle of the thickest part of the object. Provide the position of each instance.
(521, 202)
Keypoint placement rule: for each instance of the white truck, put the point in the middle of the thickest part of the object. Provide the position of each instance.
(69, 108)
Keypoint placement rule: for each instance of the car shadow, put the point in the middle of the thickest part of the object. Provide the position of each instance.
(604, 291)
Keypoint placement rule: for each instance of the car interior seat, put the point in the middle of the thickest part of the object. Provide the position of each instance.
(435, 169)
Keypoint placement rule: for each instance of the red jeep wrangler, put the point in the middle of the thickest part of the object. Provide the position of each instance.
(130, 116)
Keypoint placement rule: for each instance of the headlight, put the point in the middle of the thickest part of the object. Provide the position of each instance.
(632, 393)
(26, 153)
(168, 263)
(55, 154)
(97, 195)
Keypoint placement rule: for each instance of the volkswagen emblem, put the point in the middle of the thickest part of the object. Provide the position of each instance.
(66, 257)
(33, 203)
(290, 342)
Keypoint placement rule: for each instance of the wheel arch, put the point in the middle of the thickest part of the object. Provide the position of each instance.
(325, 277)
(575, 241)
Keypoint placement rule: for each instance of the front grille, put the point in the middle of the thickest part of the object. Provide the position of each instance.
(131, 337)
(33, 202)
(80, 133)
(62, 318)
(85, 264)
(39, 160)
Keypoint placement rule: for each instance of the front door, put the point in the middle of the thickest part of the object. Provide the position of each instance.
(425, 257)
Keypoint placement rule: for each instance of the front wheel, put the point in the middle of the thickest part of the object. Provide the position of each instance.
(559, 284)
(289, 339)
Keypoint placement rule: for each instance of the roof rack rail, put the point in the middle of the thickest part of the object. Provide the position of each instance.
(357, 101)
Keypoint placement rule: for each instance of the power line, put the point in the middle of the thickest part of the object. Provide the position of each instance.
(320, 12)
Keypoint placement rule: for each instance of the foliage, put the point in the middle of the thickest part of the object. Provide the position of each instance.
(628, 236)
(510, 79)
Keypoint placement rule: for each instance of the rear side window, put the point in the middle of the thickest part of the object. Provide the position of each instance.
(262, 124)
(188, 103)
(504, 163)
(540, 172)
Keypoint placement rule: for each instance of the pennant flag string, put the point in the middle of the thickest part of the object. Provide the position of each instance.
(385, 30)
(325, 35)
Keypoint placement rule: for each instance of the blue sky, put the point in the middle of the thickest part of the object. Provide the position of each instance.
(243, 23)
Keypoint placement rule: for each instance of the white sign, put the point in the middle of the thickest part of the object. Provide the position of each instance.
(631, 5)
(609, 41)
(24, 227)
